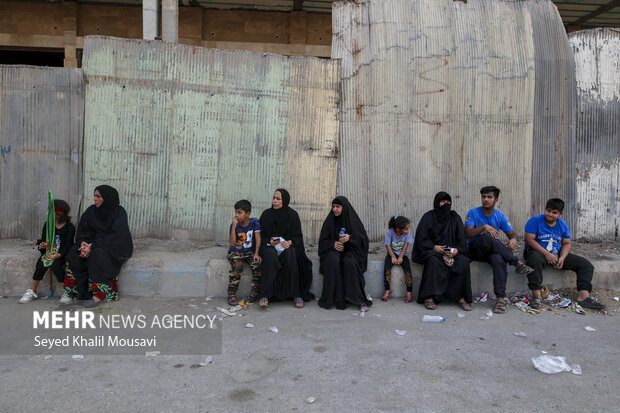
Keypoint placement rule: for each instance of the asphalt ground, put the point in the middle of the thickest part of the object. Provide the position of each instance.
(342, 360)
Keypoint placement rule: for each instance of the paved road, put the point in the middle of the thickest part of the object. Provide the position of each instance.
(345, 362)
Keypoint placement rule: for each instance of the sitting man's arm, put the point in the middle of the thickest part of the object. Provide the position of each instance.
(567, 245)
(530, 240)
(471, 232)
(512, 240)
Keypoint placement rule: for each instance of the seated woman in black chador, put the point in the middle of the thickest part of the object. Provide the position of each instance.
(102, 244)
(343, 250)
(440, 245)
(287, 271)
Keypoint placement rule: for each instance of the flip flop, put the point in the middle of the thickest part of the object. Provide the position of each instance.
(591, 304)
(465, 306)
(299, 302)
(500, 307)
(430, 305)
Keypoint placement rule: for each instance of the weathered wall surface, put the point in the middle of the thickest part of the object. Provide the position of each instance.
(597, 60)
(183, 132)
(41, 123)
(437, 95)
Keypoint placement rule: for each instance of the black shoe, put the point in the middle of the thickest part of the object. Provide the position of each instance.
(591, 304)
(92, 303)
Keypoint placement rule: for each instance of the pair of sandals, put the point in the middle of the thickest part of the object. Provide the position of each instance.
(264, 302)
(430, 305)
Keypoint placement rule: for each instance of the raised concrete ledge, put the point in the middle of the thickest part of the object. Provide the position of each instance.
(200, 272)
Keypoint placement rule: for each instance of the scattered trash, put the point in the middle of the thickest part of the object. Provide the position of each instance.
(483, 297)
(249, 325)
(544, 292)
(579, 310)
(362, 313)
(208, 360)
(136, 310)
(588, 328)
(564, 303)
(208, 298)
(615, 298)
(576, 369)
(460, 315)
(525, 307)
(356, 314)
(151, 353)
(433, 319)
(310, 400)
(273, 329)
(550, 364)
(543, 351)
(377, 315)
(489, 313)
(77, 357)
(230, 311)
(401, 332)
(520, 334)
(47, 357)
(192, 305)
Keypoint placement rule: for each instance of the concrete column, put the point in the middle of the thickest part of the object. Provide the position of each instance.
(150, 19)
(69, 32)
(170, 20)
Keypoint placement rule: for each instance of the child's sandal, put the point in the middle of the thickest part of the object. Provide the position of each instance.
(232, 300)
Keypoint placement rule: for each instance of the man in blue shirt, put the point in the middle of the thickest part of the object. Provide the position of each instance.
(547, 239)
(482, 228)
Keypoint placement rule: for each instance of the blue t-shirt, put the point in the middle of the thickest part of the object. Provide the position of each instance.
(477, 218)
(245, 236)
(397, 242)
(550, 238)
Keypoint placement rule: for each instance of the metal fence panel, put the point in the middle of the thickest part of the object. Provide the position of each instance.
(597, 60)
(183, 132)
(41, 123)
(436, 95)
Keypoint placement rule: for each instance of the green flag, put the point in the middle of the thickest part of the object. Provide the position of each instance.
(50, 232)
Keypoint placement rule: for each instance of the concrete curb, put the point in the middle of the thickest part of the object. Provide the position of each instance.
(204, 272)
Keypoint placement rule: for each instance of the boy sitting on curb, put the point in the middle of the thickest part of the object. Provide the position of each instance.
(547, 240)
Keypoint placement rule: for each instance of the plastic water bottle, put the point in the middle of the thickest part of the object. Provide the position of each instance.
(433, 319)
(57, 242)
(342, 232)
(556, 256)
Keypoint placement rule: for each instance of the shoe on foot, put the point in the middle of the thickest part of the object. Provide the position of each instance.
(28, 296)
(591, 304)
(536, 303)
(66, 298)
(500, 307)
(523, 269)
(92, 303)
(263, 302)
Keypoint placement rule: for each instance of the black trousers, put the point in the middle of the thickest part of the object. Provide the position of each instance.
(387, 272)
(491, 250)
(58, 268)
(583, 268)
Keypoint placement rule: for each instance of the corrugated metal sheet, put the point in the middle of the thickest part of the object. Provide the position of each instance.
(184, 132)
(436, 95)
(553, 156)
(597, 61)
(41, 123)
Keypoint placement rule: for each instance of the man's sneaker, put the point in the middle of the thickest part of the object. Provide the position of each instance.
(523, 269)
(66, 298)
(28, 296)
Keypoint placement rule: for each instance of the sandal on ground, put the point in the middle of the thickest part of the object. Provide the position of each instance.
(408, 298)
(536, 303)
(264, 302)
(299, 302)
(387, 295)
(429, 304)
(232, 300)
(465, 306)
(591, 304)
(500, 307)
(523, 269)
(251, 298)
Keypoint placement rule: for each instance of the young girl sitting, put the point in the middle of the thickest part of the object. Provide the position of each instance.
(397, 241)
(64, 239)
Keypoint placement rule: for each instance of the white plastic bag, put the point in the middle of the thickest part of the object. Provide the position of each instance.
(550, 364)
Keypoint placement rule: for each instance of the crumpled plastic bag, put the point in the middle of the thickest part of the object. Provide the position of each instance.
(550, 364)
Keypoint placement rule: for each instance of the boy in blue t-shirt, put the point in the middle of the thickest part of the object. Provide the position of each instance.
(482, 228)
(244, 242)
(547, 239)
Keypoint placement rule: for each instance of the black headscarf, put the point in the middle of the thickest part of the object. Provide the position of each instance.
(277, 222)
(110, 201)
(439, 226)
(351, 222)
(284, 222)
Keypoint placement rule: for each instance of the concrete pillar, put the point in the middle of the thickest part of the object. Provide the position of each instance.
(69, 33)
(150, 19)
(170, 20)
